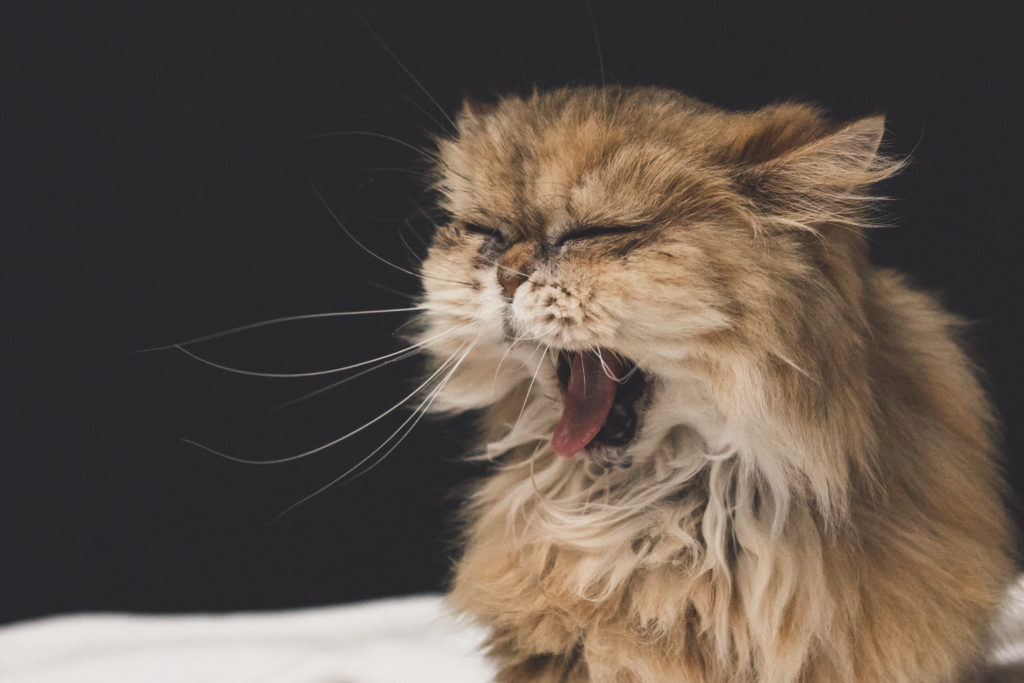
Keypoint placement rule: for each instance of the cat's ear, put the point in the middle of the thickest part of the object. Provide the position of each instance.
(812, 172)
(800, 156)
(774, 131)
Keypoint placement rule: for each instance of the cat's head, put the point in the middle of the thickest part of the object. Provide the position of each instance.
(612, 258)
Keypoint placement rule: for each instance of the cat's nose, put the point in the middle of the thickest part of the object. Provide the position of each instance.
(514, 268)
(510, 282)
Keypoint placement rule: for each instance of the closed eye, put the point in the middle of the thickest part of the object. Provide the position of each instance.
(478, 229)
(591, 232)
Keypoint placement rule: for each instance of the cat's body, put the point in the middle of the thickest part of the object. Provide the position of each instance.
(795, 482)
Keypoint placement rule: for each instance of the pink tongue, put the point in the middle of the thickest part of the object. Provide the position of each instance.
(588, 399)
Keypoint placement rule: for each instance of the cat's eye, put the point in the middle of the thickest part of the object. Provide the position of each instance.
(593, 231)
(478, 229)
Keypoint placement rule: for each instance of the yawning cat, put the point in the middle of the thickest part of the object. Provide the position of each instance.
(727, 448)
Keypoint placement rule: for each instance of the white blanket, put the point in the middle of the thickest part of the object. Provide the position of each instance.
(399, 640)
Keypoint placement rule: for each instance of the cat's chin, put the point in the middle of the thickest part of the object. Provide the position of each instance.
(611, 446)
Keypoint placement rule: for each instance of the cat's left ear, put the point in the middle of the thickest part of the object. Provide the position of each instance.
(823, 173)
(837, 158)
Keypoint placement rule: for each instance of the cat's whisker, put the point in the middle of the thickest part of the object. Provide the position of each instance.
(348, 233)
(371, 134)
(404, 68)
(412, 252)
(501, 361)
(396, 292)
(419, 106)
(608, 372)
(314, 373)
(277, 321)
(324, 446)
(529, 389)
(410, 352)
(417, 413)
(515, 342)
(597, 39)
(520, 273)
(385, 169)
(423, 212)
(632, 371)
(334, 385)
(405, 324)
(604, 367)
(412, 228)
(511, 270)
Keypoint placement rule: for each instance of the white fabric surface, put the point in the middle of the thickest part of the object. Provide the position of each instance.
(399, 640)
(1006, 662)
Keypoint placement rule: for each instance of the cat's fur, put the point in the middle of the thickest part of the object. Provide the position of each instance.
(813, 494)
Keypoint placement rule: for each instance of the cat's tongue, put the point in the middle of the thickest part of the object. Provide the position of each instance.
(588, 399)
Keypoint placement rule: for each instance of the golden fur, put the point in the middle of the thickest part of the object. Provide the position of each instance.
(813, 495)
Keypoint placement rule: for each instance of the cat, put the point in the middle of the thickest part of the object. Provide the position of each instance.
(726, 447)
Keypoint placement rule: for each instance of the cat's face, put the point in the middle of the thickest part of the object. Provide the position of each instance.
(602, 246)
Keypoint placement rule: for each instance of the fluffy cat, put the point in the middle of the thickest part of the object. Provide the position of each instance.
(727, 447)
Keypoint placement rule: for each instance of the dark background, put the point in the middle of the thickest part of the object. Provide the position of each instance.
(156, 167)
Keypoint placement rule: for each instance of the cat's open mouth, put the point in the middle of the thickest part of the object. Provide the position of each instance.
(601, 411)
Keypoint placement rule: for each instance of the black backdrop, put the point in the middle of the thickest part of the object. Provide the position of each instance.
(156, 180)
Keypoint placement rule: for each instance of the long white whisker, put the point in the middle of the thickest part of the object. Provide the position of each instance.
(501, 362)
(597, 40)
(345, 380)
(604, 367)
(522, 274)
(334, 216)
(297, 456)
(408, 222)
(396, 292)
(512, 270)
(418, 414)
(314, 373)
(625, 378)
(419, 106)
(407, 354)
(608, 372)
(423, 212)
(404, 325)
(422, 410)
(371, 134)
(412, 252)
(385, 169)
(543, 357)
(286, 319)
(583, 372)
(405, 69)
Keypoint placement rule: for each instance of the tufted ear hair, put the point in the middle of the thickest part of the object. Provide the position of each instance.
(799, 169)
(772, 131)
